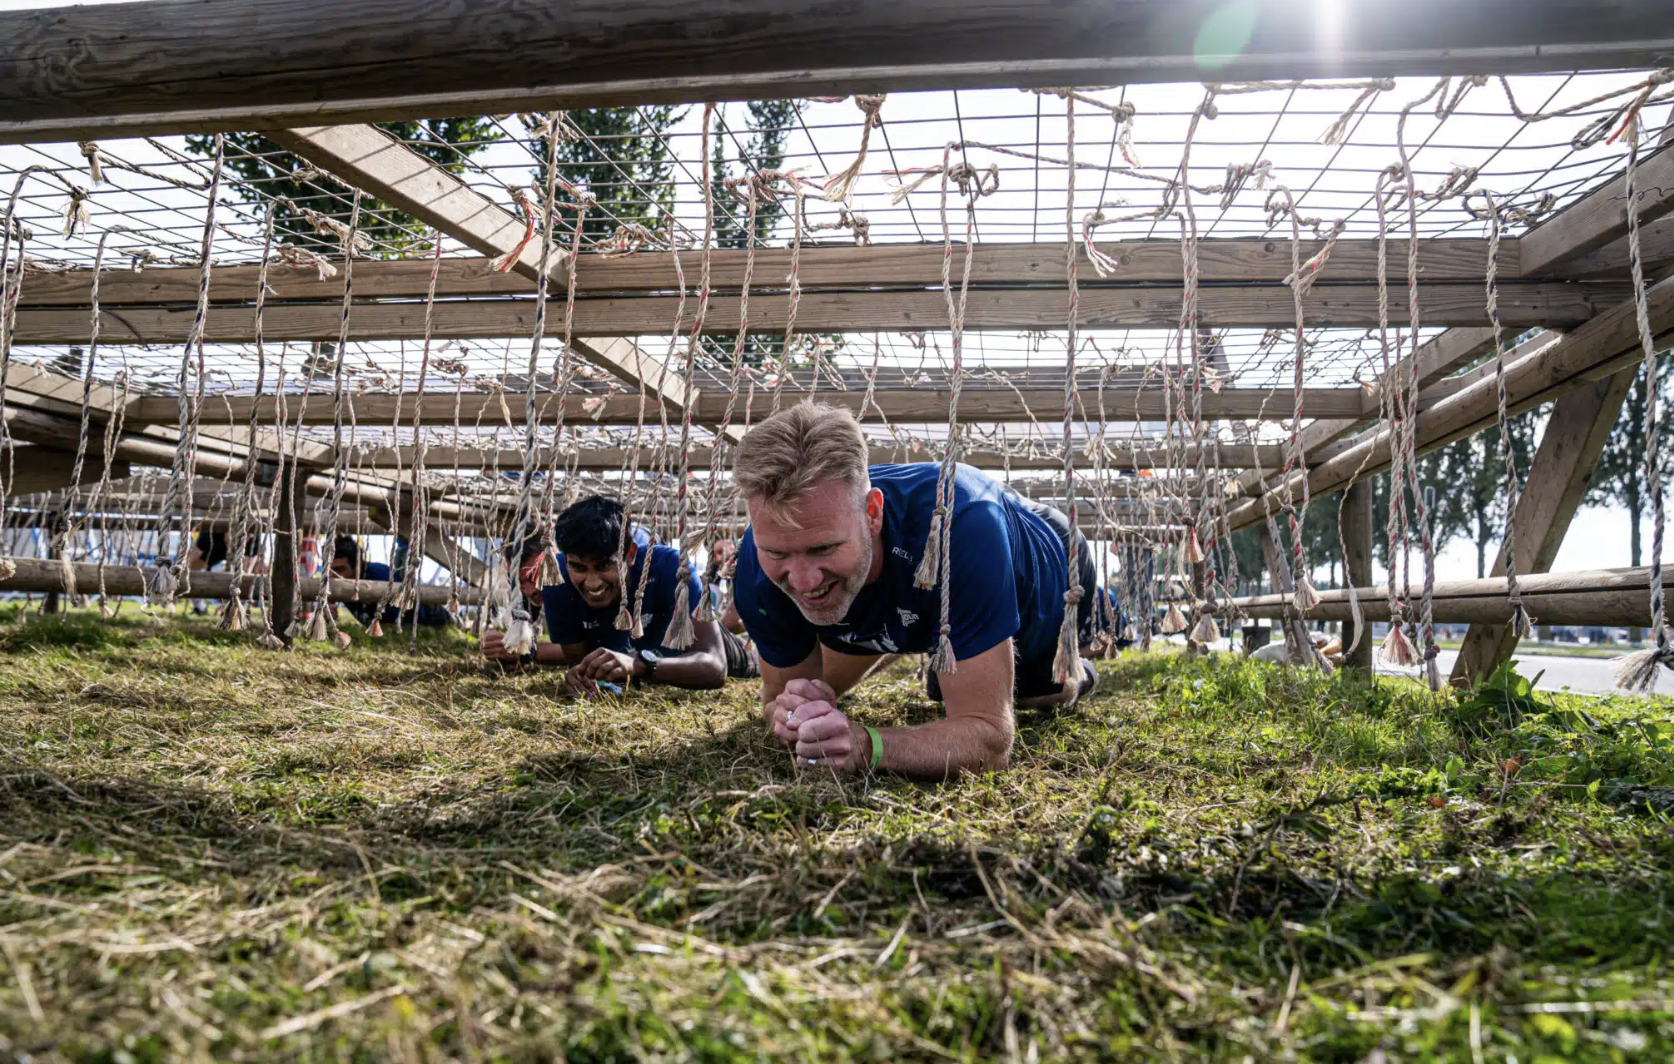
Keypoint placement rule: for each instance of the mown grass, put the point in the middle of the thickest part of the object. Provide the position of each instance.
(210, 852)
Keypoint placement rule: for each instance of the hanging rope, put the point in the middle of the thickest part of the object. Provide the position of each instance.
(680, 633)
(936, 563)
(839, 187)
(170, 578)
(1066, 663)
(1638, 671)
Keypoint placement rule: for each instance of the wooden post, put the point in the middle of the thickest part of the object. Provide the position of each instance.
(283, 601)
(1575, 434)
(1297, 644)
(1357, 565)
(54, 526)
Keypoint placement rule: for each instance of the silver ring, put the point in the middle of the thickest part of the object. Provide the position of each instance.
(813, 760)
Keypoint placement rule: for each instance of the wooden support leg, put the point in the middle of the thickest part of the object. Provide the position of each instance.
(283, 599)
(1357, 565)
(54, 526)
(1575, 435)
(1298, 647)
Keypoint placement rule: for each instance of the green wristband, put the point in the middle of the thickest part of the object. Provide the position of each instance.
(877, 748)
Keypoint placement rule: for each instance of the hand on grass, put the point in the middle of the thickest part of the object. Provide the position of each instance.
(494, 647)
(605, 664)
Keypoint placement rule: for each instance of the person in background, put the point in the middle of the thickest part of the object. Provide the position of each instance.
(1329, 646)
(722, 552)
(346, 564)
(581, 610)
(1108, 623)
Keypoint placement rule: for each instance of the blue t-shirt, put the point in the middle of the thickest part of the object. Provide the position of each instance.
(363, 611)
(570, 620)
(1008, 573)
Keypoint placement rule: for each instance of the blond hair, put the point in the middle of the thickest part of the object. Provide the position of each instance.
(796, 450)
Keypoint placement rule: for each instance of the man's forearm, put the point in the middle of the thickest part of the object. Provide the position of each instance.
(945, 749)
(703, 670)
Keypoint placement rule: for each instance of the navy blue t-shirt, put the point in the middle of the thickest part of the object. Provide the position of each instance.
(427, 616)
(570, 620)
(1008, 572)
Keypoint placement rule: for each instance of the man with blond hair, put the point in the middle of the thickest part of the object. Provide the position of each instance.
(825, 585)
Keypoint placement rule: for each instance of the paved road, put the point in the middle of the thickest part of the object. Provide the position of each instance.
(1591, 676)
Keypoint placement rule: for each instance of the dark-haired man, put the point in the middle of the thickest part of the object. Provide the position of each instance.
(346, 564)
(581, 611)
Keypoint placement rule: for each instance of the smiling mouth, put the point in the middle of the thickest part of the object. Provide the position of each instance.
(819, 594)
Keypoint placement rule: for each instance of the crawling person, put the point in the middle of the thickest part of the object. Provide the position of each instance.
(825, 585)
(346, 564)
(581, 611)
(1330, 647)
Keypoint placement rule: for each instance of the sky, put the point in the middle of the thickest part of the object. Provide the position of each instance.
(1599, 535)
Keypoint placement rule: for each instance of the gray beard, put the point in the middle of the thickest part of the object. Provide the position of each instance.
(846, 593)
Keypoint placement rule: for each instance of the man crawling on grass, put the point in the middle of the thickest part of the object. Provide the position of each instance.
(825, 586)
(581, 611)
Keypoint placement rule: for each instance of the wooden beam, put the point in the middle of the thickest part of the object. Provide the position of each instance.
(611, 459)
(1609, 597)
(1559, 476)
(1436, 359)
(1656, 246)
(36, 575)
(174, 66)
(1593, 351)
(916, 405)
(375, 161)
(1522, 305)
(37, 469)
(1600, 217)
(1233, 261)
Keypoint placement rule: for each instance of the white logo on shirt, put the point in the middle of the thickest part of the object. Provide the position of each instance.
(908, 617)
(901, 553)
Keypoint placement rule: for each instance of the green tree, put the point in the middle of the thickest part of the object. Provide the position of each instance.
(269, 172)
(1469, 478)
(621, 156)
(1619, 477)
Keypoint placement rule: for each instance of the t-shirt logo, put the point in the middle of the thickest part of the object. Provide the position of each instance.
(908, 617)
(900, 552)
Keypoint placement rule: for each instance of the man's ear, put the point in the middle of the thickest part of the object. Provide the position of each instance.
(874, 511)
(633, 552)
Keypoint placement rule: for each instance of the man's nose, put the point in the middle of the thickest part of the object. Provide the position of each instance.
(806, 576)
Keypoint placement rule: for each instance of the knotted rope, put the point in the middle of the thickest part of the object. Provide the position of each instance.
(1638, 671)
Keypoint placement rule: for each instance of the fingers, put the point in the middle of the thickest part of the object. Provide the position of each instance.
(811, 690)
(808, 711)
(822, 728)
(826, 743)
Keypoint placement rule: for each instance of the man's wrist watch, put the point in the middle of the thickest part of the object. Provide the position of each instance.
(528, 657)
(648, 660)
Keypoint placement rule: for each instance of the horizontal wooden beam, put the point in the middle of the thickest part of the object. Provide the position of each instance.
(36, 575)
(1237, 261)
(173, 66)
(917, 405)
(1595, 350)
(442, 459)
(1599, 218)
(1610, 597)
(1522, 305)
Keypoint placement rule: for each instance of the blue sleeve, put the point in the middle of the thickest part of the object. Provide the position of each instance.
(983, 607)
(783, 637)
(562, 607)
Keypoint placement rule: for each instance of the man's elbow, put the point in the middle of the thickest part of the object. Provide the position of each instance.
(995, 740)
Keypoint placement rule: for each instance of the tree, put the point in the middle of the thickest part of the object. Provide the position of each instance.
(1619, 477)
(271, 173)
(761, 149)
(1469, 478)
(621, 156)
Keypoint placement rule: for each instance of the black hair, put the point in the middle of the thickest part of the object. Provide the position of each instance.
(348, 550)
(591, 529)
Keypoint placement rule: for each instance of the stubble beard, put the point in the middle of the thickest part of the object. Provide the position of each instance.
(843, 595)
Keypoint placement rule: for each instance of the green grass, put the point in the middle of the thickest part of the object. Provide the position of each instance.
(210, 852)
